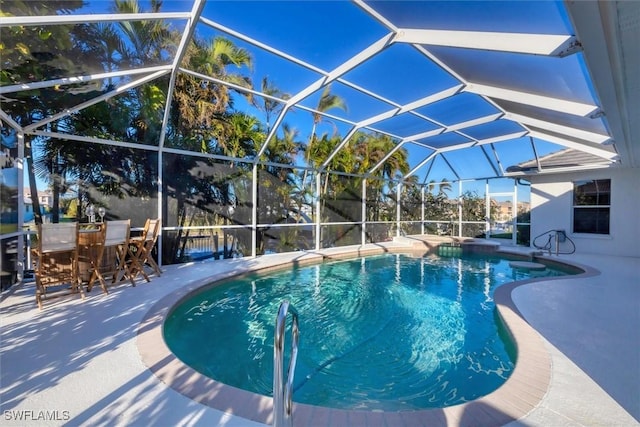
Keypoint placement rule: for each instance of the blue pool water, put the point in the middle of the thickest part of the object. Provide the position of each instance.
(391, 332)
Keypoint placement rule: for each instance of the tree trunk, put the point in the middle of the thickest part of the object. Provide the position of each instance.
(308, 153)
(186, 236)
(35, 202)
(56, 199)
(182, 216)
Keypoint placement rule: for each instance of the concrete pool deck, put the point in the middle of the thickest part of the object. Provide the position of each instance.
(78, 362)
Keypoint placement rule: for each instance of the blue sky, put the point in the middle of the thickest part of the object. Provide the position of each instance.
(325, 34)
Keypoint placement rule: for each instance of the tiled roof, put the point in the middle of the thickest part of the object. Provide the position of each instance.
(566, 158)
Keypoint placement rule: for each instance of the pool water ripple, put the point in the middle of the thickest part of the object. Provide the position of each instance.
(388, 332)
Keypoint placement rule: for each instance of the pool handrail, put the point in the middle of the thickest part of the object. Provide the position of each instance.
(282, 396)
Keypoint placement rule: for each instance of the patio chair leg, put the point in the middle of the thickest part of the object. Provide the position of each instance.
(79, 286)
(39, 299)
(154, 266)
(96, 275)
(121, 270)
(135, 267)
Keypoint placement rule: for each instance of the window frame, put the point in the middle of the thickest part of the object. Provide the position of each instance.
(596, 208)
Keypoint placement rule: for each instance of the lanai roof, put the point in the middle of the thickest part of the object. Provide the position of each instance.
(467, 88)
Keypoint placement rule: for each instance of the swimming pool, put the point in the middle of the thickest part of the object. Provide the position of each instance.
(390, 332)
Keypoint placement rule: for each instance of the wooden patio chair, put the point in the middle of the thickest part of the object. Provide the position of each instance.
(116, 249)
(140, 248)
(56, 261)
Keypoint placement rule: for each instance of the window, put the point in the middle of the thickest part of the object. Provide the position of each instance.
(591, 205)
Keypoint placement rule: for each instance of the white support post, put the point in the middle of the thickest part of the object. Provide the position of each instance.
(514, 214)
(398, 189)
(254, 210)
(487, 211)
(459, 208)
(318, 213)
(159, 212)
(20, 166)
(363, 237)
(422, 210)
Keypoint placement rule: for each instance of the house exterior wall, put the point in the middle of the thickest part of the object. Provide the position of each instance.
(552, 208)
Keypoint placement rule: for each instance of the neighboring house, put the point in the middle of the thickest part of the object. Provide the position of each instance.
(505, 210)
(45, 197)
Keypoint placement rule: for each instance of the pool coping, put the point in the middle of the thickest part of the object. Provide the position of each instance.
(520, 394)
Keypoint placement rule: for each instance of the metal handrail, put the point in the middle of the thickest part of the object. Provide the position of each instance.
(282, 396)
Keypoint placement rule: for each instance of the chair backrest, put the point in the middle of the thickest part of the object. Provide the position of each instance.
(58, 237)
(151, 229)
(117, 232)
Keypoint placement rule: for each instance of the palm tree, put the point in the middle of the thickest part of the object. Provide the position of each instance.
(199, 105)
(130, 116)
(370, 150)
(343, 161)
(284, 149)
(51, 53)
(106, 46)
(136, 115)
(240, 135)
(411, 199)
(326, 102)
(444, 186)
(150, 40)
(268, 105)
(278, 184)
(395, 165)
(201, 119)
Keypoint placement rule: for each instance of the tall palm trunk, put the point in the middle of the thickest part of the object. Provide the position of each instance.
(35, 202)
(56, 200)
(308, 153)
(56, 188)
